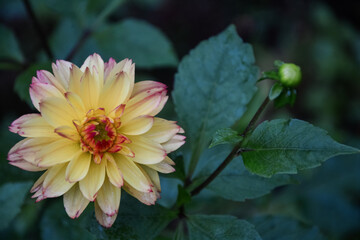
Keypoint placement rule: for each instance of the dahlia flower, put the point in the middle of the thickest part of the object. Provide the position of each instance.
(95, 134)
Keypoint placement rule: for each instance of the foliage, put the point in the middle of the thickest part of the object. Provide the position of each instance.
(267, 185)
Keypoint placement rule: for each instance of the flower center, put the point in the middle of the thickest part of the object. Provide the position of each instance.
(98, 134)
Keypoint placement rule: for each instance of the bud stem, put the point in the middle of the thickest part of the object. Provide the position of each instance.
(236, 151)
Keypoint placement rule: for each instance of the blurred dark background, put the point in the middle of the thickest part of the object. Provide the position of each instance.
(320, 36)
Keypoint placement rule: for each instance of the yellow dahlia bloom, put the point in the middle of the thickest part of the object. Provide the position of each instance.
(95, 135)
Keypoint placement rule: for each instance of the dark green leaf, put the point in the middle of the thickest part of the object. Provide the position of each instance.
(57, 225)
(287, 96)
(135, 221)
(23, 81)
(11, 199)
(275, 91)
(179, 233)
(213, 85)
(237, 184)
(138, 40)
(282, 228)
(224, 136)
(184, 196)
(64, 38)
(286, 146)
(9, 48)
(202, 227)
(169, 193)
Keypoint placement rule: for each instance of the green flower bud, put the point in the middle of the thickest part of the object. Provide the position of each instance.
(290, 74)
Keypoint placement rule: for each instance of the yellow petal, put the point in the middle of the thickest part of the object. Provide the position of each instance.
(162, 130)
(57, 112)
(60, 151)
(132, 174)
(174, 143)
(55, 184)
(48, 78)
(105, 220)
(90, 90)
(108, 198)
(26, 166)
(78, 167)
(93, 181)
(146, 151)
(147, 198)
(38, 184)
(68, 132)
(154, 177)
(115, 92)
(61, 71)
(75, 78)
(113, 172)
(32, 125)
(76, 103)
(96, 64)
(29, 148)
(108, 67)
(39, 91)
(74, 202)
(163, 166)
(137, 126)
(146, 86)
(161, 105)
(126, 66)
(142, 104)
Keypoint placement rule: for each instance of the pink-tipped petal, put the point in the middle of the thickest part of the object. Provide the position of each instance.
(108, 198)
(74, 202)
(176, 142)
(105, 220)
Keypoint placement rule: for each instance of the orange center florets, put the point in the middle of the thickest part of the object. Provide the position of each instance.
(98, 134)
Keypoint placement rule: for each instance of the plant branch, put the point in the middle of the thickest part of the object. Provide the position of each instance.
(236, 151)
(227, 160)
(38, 29)
(89, 30)
(85, 34)
(256, 117)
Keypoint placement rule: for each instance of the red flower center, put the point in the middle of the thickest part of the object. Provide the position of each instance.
(98, 135)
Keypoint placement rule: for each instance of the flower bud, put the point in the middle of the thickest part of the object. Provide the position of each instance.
(290, 74)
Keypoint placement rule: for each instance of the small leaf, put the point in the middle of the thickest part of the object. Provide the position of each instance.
(138, 40)
(275, 91)
(278, 63)
(219, 75)
(11, 199)
(286, 146)
(224, 136)
(135, 221)
(23, 81)
(274, 228)
(203, 227)
(273, 74)
(287, 96)
(9, 48)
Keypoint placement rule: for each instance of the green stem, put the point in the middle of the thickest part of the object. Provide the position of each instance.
(89, 30)
(236, 151)
(38, 28)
